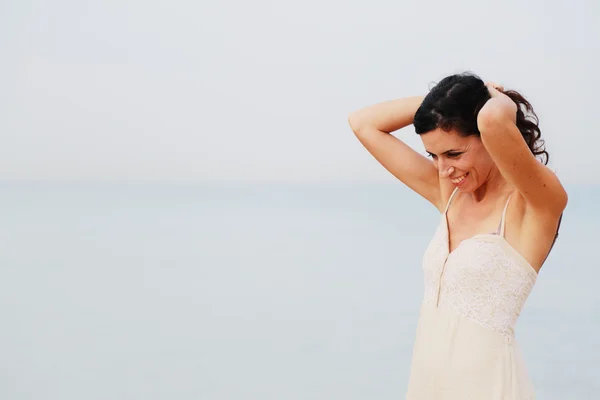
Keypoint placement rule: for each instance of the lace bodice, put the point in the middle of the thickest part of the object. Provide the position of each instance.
(484, 279)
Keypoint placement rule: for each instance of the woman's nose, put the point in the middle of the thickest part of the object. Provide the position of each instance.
(446, 171)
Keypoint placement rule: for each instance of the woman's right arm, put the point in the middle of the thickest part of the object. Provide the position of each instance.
(373, 126)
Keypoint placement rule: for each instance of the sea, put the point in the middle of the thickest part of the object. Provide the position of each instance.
(253, 291)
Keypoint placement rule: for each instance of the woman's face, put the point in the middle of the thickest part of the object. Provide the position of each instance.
(462, 160)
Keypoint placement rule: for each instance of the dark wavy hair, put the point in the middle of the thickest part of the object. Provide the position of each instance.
(454, 102)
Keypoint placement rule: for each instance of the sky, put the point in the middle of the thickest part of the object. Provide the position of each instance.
(235, 90)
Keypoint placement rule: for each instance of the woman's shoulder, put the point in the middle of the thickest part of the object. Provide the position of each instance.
(531, 231)
(446, 192)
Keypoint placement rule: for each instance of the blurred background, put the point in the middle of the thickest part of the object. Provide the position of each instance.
(186, 214)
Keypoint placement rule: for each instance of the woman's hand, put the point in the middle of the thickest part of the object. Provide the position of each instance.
(500, 105)
(494, 89)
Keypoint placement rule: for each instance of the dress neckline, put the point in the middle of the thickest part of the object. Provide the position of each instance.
(518, 257)
(516, 254)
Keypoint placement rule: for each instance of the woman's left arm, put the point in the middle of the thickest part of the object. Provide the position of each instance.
(538, 185)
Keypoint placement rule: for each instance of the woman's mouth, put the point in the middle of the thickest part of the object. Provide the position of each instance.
(460, 180)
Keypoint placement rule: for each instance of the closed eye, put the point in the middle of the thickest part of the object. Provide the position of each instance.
(453, 155)
(431, 155)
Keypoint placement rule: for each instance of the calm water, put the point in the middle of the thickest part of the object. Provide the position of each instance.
(248, 291)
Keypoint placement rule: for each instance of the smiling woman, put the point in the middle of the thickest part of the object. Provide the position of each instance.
(464, 157)
(483, 143)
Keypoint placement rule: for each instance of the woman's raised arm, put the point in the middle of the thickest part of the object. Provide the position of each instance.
(538, 185)
(373, 126)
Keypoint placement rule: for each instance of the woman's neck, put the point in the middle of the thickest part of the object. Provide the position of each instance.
(494, 186)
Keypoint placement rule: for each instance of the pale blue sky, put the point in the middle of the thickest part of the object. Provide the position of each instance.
(237, 90)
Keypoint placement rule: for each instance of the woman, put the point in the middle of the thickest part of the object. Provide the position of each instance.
(500, 213)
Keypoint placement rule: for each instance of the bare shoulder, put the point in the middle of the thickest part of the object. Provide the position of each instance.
(446, 190)
(531, 230)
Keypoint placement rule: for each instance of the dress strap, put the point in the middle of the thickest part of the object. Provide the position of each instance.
(450, 199)
(503, 220)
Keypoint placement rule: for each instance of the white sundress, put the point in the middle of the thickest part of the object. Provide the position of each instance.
(465, 346)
